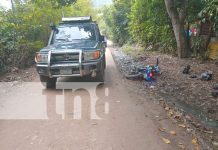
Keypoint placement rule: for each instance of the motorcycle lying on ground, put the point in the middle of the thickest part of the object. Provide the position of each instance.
(148, 73)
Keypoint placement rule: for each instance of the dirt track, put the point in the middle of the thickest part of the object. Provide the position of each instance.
(122, 119)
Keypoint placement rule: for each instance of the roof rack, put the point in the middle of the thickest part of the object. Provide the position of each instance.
(77, 19)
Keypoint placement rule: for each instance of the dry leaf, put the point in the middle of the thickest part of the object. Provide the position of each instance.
(182, 125)
(170, 113)
(194, 140)
(181, 145)
(162, 129)
(177, 116)
(167, 108)
(215, 143)
(198, 147)
(173, 132)
(166, 141)
(209, 132)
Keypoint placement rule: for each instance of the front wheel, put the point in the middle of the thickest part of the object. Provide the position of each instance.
(100, 75)
(48, 82)
(104, 62)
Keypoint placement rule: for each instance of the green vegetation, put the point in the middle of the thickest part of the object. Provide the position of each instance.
(149, 24)
(25, 29)
(116, 21)
(161, 25)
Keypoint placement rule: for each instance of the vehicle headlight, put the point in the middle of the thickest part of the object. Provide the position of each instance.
(92, 55)
(41, 58)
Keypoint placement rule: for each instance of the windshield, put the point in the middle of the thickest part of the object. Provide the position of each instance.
(75, 32)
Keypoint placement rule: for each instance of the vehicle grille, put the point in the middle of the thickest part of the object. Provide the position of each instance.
(62, 58)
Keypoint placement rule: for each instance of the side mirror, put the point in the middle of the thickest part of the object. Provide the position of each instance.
(104, 40)
(53, 27)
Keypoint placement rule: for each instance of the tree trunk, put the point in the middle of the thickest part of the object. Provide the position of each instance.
(177, 19)
(182, 47)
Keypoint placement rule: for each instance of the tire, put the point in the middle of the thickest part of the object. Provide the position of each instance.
(48, 82)
(100, 75)
(104, 62)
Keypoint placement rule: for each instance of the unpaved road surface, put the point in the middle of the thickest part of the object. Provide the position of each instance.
(114, 117)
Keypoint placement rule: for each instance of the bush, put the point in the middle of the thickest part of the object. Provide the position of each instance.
(148, 29)
(116, 21)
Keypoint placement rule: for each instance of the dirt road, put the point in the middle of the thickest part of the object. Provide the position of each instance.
(115, 117)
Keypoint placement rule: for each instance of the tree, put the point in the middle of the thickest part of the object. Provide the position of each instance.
(56, 3)
(210, 11)
(148, 29)
(116, 18)
(180, 13)
(178, 17)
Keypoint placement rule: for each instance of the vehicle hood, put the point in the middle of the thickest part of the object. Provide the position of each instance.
(83, 45)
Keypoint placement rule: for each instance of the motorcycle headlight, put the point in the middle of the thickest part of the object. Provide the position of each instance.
(91, 55)
(41, 58)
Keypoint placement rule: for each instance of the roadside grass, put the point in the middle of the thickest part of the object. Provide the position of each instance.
(137, 51)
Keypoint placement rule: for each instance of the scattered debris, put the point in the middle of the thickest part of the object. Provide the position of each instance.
(170, 113)
(182, 125)
(193, 76)
(167, 108)
(181, 91)
(16, 74)
(209, 132)
(189, 130)
(215, 93)
(181, 145)
(14, 70)
(215, 86)
(206, 76)
(173, 132)
(167, 141)
(215, 90)
(215, 143)
(187, 69)
(195, 142)
(162, 129)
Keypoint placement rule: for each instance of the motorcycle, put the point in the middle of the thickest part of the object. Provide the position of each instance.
(148, 73)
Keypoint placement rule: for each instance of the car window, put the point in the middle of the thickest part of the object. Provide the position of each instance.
(75, 32)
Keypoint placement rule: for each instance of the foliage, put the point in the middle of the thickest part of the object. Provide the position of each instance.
(128, 21)
(26, 29)
(147, 22)
(203, 10)
(116, 20)
(56, 3)
(148, 29)
(210, 10)
(105, 21)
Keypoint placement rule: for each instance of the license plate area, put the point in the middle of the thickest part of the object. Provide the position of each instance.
(66, 71)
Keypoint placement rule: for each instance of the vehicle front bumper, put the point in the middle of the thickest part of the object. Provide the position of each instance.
(78, 70)
(71, 68)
